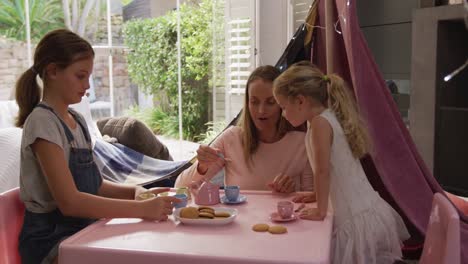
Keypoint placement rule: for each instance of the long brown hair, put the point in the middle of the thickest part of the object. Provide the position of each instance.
(250, 138)
(330, 90)
(61, 47)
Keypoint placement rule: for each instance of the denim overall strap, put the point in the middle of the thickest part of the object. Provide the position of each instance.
(81, 162)
(84, 127)
(42, 232)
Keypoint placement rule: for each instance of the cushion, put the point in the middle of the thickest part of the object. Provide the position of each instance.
(10, 145)
(135, 135)
(8, 113)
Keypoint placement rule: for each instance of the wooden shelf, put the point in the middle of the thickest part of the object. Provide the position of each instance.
(451, 108)
(439, 109)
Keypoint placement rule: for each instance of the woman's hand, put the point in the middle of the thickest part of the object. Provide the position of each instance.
(283, 184)
(158, 208)
(208, 157)
(305, 197)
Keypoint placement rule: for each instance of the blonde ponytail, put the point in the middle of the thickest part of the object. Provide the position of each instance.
(304, 78)
(28, 95)
(342, 103)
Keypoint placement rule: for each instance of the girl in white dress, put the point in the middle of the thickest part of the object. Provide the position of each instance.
(365, 228)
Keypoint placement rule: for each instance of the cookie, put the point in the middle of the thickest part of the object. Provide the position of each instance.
(277, 229)
(189, 212)
(260, 227)
(206, 215)
(222, 214)
(205, 207)
(207, 211)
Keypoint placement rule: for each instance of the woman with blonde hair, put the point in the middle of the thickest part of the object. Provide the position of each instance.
(262, 152)
(366, 229)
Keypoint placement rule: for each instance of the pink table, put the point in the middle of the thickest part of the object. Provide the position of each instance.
(137, 241)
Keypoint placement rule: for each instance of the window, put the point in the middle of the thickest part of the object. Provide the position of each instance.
(235, 41)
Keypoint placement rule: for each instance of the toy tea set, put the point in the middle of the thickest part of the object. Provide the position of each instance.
(209, 194)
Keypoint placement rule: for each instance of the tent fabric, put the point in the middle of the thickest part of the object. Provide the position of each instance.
(122, 164)
(394, 167)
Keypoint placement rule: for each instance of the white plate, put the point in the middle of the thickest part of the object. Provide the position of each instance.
(203, 221)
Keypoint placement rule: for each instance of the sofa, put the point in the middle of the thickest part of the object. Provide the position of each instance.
(125, 130)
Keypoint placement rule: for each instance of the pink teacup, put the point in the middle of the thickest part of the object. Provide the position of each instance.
(285, 209)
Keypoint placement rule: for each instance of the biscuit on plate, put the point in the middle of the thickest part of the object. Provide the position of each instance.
(260, 227)
(206, 215)
(189, 212)
(206, 211)
(222, 214)
(205, 207)
(277, 229)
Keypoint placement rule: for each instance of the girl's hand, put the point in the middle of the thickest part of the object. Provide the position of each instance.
(158, 208)
(283, 184)
(305, 197)
(311, 214)
(207, 157)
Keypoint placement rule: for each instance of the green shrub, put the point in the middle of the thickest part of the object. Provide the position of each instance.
(152, 62)
(157, 120)
(214, 129)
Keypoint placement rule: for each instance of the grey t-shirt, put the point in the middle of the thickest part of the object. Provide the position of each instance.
(43, 124)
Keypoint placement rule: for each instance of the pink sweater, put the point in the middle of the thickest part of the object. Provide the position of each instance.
(287, 156)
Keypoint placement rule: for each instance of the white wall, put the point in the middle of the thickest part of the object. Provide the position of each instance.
(269, 35)
(272, 30)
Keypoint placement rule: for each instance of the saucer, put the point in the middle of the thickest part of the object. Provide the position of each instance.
(277, 218)
(240, 199)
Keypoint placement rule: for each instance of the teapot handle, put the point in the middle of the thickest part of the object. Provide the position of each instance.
(194, 187)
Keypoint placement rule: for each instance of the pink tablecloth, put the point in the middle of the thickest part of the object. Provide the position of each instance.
(137, 241)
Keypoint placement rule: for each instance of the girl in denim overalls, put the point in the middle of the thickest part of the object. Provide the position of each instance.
(60, 184)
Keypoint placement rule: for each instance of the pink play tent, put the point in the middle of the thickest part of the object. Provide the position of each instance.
(395, 168)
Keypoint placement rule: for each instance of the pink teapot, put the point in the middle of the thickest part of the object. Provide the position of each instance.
(206, 194)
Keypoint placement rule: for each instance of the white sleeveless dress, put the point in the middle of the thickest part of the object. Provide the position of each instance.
(365, 228)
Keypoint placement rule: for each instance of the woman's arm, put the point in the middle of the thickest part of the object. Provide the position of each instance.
(188, 176)
(196, 172)
(322, 136)
(72, 202)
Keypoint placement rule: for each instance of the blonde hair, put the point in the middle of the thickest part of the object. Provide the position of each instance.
(250, 138)
(61, 47)
(306, 79)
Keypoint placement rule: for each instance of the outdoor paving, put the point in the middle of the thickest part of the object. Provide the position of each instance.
(183, 150)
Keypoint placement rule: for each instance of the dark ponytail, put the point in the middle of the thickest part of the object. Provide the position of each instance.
(28, 95)
(61, 47)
